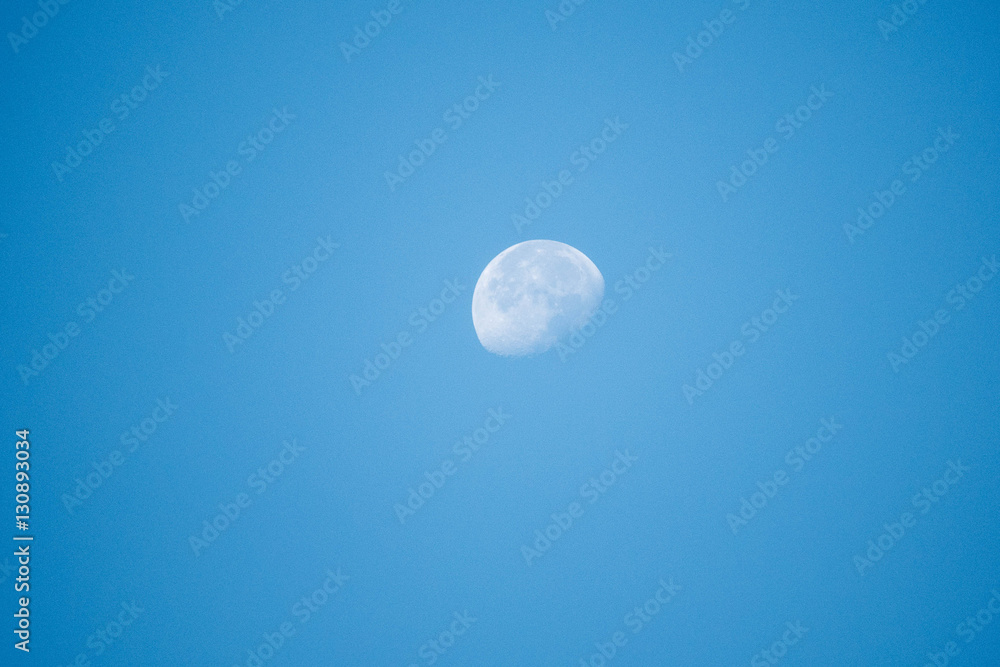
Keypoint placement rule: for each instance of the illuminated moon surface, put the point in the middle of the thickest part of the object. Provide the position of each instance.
(532, 295)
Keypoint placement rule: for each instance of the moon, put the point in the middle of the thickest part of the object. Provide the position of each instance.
(532, 295)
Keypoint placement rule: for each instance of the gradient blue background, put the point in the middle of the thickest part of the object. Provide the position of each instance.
(655, 186)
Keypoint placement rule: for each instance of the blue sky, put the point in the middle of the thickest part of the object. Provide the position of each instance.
(261, 106)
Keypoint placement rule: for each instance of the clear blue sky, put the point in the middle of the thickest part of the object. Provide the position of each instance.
(289, 141)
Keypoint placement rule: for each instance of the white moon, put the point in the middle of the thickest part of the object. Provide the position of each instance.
(533, 294)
